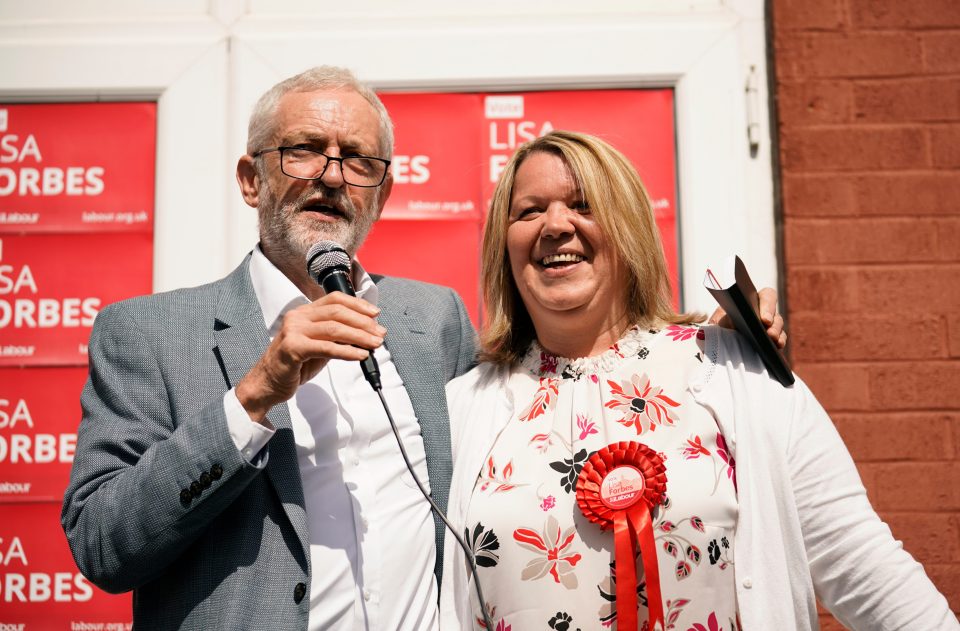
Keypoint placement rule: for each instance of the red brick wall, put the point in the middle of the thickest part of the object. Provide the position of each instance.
(868, 99)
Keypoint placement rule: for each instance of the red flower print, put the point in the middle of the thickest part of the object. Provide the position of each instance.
(548, 503)
(541, 442)
(694, 449)
(727, 457)
(503, 626)
(548, 363)
(490, 475)
(680, 333)
(712, 624)
(586, 426)
(641, 401)
(545, 398)
(554, 556)
(674, 608)
(491, 612)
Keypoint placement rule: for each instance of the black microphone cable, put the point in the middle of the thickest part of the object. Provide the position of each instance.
(329, 265)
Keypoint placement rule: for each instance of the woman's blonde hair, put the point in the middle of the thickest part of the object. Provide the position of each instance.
(618, 201)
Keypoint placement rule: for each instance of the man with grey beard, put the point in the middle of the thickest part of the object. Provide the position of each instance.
(233, 468)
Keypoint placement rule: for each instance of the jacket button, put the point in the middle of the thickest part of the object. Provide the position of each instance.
(195, 489)
(205, 480)
(299, 592)
(216, 471)
(185, 497)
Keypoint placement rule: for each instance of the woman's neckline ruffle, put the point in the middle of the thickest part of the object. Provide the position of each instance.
(542, 363)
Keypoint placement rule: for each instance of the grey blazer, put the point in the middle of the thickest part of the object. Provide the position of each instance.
(161, 502)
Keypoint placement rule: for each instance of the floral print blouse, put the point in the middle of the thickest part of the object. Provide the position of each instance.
(541, 564)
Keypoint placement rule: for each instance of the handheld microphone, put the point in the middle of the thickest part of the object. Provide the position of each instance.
(329, 265)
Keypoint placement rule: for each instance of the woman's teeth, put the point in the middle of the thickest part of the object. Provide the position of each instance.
(561, 258)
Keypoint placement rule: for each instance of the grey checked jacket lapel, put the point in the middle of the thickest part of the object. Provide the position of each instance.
(241, 339)
(409, 345)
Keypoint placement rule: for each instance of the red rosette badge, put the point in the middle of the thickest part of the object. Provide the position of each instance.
(619, 486)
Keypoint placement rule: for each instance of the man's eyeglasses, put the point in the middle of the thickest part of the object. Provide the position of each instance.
(307, 164)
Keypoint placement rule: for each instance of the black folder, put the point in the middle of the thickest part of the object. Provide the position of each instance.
(732, 288)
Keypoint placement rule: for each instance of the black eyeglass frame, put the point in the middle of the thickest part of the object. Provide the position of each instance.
(386, 164)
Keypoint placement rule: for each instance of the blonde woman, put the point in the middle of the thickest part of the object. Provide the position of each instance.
(755, 506)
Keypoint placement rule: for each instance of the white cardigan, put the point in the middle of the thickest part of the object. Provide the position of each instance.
(805, 526)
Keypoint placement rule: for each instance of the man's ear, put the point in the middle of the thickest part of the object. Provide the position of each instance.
(385, 189)
(248, 180)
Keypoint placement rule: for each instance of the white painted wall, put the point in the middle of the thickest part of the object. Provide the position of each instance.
(206, 62)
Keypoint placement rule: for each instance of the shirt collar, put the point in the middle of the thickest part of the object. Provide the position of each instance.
(277, 294)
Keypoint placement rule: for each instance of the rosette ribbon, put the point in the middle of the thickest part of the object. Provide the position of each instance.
(618, 487)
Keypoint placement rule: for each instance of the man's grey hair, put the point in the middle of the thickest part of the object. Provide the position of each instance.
(261, 127)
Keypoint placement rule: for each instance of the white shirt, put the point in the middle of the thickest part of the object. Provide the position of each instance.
(372, 547)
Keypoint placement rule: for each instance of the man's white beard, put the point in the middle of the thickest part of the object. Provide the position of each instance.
(285, 234)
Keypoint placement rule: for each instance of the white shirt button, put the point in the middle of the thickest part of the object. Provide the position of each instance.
(356, 461)
(747, 583)
(366, 594)
(248, 453)
(364, 522)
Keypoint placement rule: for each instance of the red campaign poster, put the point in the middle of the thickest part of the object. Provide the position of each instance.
(637, 122)
(52, 287)
(39, 415)
(451, 149)
(77, 167)
(436, 164)
(40, 586)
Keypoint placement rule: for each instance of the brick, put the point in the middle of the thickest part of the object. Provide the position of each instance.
(926, 288)
(808, 14)
(953, 335)
(815, 102)
(829, 337)
(853, 148)
(861, 240)
(899, 100)
(858, 55)
(820, 195)
(948, 240)
(927, 385)
(908, 193)
(834, 289)
(897, 14)
(837, 386)
(945, 145)
(918, 486)
(941, 51)
(887, 289)
(929, 537)
(914, 193)
(955, 437)
(920, 435)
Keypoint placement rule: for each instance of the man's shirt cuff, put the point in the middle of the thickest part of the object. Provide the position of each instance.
(249, 437)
